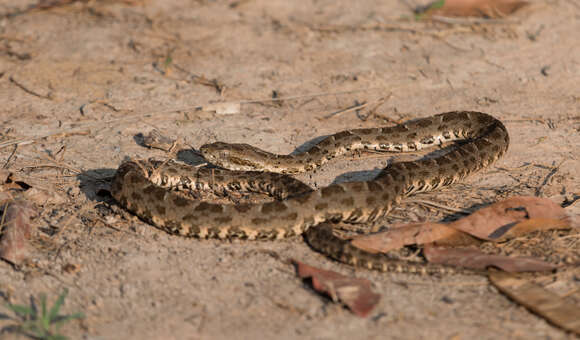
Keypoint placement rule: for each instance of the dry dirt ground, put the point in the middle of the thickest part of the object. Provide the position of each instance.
(79, 84)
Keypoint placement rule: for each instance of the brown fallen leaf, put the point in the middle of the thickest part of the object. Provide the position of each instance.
(544, 303)
(500, 221)
(513, 217)
(475, 259)
(355, 293)
(17, 230)
(414, 233)
(472, 8)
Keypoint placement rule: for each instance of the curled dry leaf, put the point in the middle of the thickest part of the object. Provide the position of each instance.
(414, 233)
(544, 303)
(513, 217)
(355, 293)
(474, 8)
(500, 221)
(17, 230)
(475, 259)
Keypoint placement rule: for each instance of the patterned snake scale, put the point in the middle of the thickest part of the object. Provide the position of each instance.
(151, 189)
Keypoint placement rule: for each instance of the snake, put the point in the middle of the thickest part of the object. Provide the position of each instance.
(156, 191)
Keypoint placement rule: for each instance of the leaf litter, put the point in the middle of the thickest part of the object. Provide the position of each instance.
(499, 222)
(353, 292)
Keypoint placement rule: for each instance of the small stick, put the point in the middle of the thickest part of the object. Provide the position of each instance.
(539, 120)
(550, 175)
(56, 166)
(25, 89)
(348, 109)
(10, 157)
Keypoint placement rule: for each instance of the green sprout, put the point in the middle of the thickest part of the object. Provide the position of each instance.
(43, 324)
(168, 61)
(422, 11)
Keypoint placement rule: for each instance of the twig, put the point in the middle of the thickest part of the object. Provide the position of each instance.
(517, 168)
(550, 175)
(57, 166)
(10, 157)
(372, 110)
(354, 107)
(103, 102)
(539, 120)
(525, 166)
(25, 89)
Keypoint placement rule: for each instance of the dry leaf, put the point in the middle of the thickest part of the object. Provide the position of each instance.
(513, 217)
(355, 293)
(475, 259)
(539, 300)
(14, 246)
(474, 8)
(414, 233)
(506, 219)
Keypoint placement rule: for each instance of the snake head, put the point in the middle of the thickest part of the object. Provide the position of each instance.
(215, 152)
(242, 157)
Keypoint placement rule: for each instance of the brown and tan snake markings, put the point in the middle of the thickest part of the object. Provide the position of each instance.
(149, 188)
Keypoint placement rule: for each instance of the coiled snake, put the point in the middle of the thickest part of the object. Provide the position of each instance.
(149, 189)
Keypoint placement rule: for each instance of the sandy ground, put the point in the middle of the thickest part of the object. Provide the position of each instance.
(82, 81)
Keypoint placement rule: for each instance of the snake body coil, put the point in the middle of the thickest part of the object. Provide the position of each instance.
(148, 189)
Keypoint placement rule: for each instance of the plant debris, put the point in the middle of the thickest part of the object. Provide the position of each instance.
(353, 292)
(544, 303)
